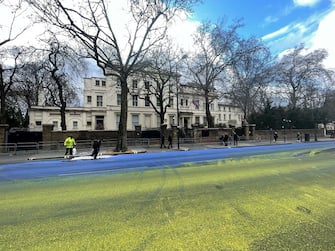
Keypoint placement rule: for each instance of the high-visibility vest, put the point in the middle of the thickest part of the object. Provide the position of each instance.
(69, 142)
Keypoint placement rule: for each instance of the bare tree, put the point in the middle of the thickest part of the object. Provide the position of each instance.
(160, 77)
(30, 80)
(9, 32)
(8, 79)
(215, 47)
(47, 77)
(249, 76)
(158, 90)
(299, 73)
(60, 64)
(9, 29)
(92, 23)
(328, 106)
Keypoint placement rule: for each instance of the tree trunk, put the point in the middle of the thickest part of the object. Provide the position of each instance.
(61, 100)
(2, 98)
(121, 143)
(62, 115)
(209, 117)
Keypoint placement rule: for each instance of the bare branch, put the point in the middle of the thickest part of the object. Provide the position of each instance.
(12, 32)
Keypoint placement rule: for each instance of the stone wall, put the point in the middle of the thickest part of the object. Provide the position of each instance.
(199, 134)
(58, 136)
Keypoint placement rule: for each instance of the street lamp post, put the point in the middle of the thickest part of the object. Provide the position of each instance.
(285, 121)
(177, 95)
(178, 125)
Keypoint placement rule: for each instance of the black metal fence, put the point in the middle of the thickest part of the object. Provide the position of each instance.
(81, 145)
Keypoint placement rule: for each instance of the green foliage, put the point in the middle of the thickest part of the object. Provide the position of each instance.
(15, 117)
(271, 117)
(273, 202)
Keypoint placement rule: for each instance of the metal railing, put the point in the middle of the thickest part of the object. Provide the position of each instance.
(86, 145)
(81, 145)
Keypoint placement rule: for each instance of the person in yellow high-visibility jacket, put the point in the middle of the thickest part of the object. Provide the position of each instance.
(69, 144)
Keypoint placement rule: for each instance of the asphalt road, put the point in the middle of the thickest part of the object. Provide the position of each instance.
(64, 167)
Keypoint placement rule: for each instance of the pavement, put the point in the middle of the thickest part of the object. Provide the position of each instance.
(24, 156)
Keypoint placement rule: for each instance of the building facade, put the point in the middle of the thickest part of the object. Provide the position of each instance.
(102, 105)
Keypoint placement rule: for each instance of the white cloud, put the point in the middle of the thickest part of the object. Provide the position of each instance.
(271, 19)
(181, 32)
(315, 33)
(324, 38)
(276, 34)
(303, 3)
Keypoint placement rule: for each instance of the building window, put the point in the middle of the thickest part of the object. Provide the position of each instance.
(135, 84)
(99, 122)
(135, 100)
(117, 120)
(38, 123)
(135, 120)
(147, 85)
(55, 125)
(170, 88)
(118, 83)
(197, 120)
(99, 101)
(75, 125)
(196, 104)
(103, 83)
(97, 82)
(181, 102)
(158, 121)
(147, 120)
(211, 107)
(172, 120)
(89, 123)
(147, 101)
(171, 102)
(89, 99)
(118, 99)
(186, 102)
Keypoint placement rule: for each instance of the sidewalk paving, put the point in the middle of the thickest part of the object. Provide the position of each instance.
(44, 155)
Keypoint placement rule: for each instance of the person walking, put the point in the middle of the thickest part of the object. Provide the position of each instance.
(96, 148)
(170, 141)
(298, 137)
(275, 137)
(235, 136)
(225, 140)
(69, 144)
(163, 141)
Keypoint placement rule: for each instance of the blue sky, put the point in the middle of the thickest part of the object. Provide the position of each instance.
(282, 24)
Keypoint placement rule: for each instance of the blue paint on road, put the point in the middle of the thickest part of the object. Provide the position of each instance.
(63, 167)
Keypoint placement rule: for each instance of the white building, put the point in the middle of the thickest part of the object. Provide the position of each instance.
(102, 103)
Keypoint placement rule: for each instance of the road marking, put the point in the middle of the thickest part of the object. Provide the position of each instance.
(81, 173)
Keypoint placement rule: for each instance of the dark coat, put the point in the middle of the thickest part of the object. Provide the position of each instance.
(96, 145)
